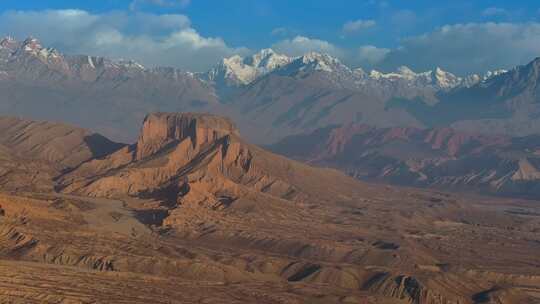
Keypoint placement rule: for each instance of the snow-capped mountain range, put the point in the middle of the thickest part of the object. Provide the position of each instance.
(239, 71)
(30, 55)
(270, 95)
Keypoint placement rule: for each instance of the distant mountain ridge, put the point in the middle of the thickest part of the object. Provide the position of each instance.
(269, 95)
(441, 157)
(94, 92)
(238, 71)
(13, 52)
(507, 103)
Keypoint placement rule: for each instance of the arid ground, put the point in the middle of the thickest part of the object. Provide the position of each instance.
(191, 213)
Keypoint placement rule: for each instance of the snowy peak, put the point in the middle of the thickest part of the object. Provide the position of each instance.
(438, 79)
(314, 57)
(9, 43)
(491, 74)
(30, 48)
(237, 70)
(402, 73)
(321, 62)
(474, 79)
(360, 73)
(445, 80)
(31, 44)
(267, 60)
(325, 69)
(233, 71)
(130, 65)
(406, 72)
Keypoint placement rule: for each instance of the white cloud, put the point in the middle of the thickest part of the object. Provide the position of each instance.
(494, 11)
(301, 45)
(135, 4)
(171, 40)
(472, 47)
(358, 25)
(369, 55)
(285, 32)
(151, 39)
(279, 31)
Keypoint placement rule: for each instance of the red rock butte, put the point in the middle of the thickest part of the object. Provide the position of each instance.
(162, 129)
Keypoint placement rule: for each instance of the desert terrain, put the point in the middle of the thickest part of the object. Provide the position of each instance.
(192, 213)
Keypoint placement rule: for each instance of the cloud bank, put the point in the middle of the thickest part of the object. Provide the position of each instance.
(154, 40)
(300, 45)
(460, 48)
(358, 25)
(135, 4)
(494, 11)
(468, 48)
(172, 40)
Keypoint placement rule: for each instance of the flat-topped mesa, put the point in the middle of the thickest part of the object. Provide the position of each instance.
(162, 129)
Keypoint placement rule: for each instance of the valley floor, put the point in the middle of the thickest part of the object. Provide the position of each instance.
(68, 249)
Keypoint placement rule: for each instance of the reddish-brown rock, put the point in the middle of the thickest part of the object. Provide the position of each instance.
(441, 157)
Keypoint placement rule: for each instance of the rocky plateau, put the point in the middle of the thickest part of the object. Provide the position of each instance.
(193, 213)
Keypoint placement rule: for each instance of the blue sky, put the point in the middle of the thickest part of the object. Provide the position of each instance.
(461, 36)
